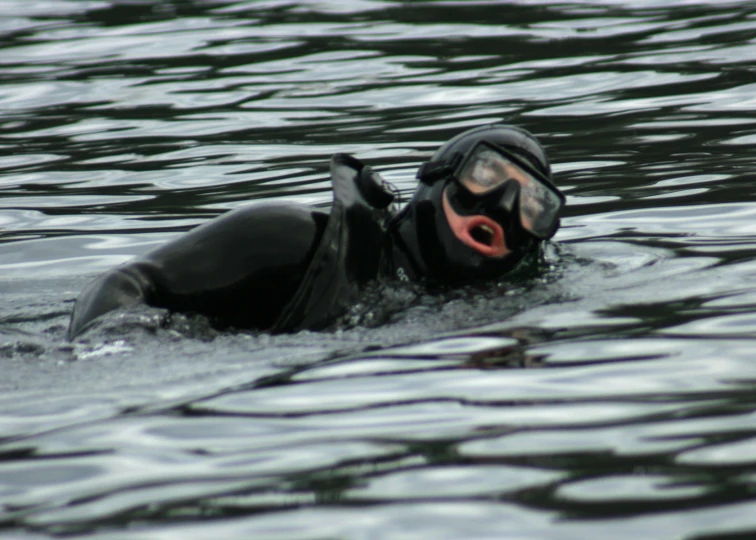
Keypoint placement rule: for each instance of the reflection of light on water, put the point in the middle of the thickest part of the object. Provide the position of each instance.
(639, 323)
(106, 349)
(453, 347)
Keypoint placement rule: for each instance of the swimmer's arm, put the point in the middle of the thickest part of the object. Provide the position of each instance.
(245, 263)
(120, 287)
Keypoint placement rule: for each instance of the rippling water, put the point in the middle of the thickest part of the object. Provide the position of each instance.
(611, 396)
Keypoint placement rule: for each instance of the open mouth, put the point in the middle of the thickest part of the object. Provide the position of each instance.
(481, 233)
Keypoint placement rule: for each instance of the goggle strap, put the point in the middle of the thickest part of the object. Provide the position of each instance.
(432, 171)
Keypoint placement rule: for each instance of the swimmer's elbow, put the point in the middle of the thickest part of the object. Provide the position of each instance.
(118, 288)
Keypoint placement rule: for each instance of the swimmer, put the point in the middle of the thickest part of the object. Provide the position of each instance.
(484, 200)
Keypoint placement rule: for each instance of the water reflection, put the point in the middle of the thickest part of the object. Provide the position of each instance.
(608, 396)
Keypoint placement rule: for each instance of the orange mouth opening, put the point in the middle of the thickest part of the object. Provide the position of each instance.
(481, 233)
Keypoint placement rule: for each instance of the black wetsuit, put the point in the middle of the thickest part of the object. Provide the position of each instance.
(274, 266)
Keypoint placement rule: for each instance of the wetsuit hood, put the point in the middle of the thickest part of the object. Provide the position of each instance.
(426, 233)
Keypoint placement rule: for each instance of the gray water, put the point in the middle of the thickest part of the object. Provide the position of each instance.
(610, 395)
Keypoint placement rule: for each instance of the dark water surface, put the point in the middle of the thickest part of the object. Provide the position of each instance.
(612, 395)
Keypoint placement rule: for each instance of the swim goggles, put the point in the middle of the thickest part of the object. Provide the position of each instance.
(486, 170)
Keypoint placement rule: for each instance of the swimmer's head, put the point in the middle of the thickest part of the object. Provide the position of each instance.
(485, 200)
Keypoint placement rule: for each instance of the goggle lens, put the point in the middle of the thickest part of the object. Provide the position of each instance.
(486, 168)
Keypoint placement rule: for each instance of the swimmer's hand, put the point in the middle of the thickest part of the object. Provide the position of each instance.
(120, 287)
